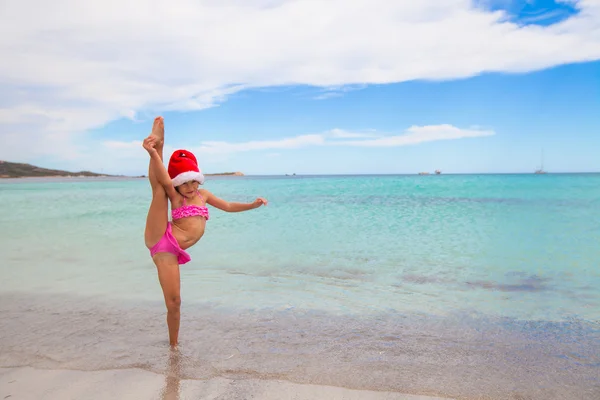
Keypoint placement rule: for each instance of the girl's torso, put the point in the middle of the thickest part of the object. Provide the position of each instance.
(189, 220)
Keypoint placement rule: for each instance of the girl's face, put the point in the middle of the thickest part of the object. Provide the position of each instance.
(188, 189)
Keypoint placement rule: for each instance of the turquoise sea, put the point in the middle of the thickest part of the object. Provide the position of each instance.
(457, 285)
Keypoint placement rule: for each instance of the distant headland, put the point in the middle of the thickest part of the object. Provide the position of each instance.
(21, 170)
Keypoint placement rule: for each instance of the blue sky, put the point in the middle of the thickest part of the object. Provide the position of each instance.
(375, 87)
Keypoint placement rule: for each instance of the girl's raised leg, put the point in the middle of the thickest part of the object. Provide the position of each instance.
(158, 213)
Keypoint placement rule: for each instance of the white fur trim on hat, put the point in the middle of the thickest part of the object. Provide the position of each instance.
(187, 177)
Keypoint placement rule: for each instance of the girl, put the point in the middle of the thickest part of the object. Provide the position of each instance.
(167, 241)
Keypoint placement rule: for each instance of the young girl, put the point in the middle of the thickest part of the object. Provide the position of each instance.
(167, 240)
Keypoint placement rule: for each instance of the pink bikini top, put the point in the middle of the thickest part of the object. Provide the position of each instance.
(190, 211)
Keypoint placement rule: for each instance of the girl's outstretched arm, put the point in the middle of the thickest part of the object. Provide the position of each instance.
(162, 176)
(232, 207)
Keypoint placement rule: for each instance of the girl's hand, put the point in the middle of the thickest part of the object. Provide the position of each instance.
(259, 202)
(149, 144)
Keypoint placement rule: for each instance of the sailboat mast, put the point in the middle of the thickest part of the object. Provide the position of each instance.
(541, 170)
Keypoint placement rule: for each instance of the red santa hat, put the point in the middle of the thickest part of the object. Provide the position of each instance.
(183, 167)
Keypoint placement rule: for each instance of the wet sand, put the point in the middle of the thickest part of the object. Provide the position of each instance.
(27, 383)
(462, 357)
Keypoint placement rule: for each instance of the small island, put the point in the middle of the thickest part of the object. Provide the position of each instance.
(237, 173)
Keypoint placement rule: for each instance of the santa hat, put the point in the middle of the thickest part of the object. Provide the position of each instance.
(183, 168)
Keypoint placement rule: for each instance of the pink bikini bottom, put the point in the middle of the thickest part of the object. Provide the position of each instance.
(168, 244)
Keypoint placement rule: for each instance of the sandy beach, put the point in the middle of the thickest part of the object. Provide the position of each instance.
(129, 384)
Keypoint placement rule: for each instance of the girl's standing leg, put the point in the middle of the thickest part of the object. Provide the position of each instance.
(168, 275)
(156, 226)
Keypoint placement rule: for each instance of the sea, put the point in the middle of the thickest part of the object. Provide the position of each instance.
(466, 286)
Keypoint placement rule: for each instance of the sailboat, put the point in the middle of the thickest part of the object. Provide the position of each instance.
(541, 170)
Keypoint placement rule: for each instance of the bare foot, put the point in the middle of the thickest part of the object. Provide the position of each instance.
(158, 131)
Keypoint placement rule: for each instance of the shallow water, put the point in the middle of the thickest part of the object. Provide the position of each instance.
(455, 285)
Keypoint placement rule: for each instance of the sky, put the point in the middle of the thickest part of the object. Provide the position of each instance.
(303, 86)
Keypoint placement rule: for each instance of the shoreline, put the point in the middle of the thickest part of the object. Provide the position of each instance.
(286, 176)
(26, 383)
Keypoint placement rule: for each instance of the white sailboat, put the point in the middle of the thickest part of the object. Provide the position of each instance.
(541, 170)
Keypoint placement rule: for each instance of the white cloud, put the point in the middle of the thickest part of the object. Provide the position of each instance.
(340, 133)
(413, 135)
(285, 143)
(421, 134)
(69, 66)
(337, 91)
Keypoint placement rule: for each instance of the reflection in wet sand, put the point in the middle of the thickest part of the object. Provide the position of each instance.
(172, 376)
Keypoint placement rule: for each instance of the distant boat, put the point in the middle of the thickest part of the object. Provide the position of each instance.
(541, 169)
(437, 172)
